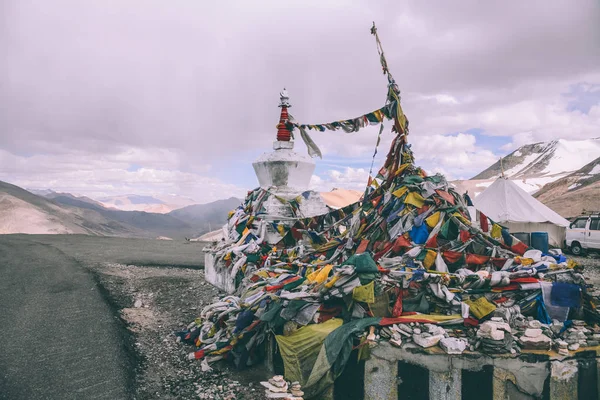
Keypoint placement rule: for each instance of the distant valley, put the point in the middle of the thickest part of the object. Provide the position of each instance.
(49, 212)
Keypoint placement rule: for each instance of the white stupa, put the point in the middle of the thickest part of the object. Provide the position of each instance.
(287, 174)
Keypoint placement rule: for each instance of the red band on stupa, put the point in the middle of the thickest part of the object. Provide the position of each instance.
(283, 133)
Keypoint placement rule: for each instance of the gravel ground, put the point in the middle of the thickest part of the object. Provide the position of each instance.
(155, 302)
(591, 263)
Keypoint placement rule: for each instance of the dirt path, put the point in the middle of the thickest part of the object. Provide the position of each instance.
(60, 337)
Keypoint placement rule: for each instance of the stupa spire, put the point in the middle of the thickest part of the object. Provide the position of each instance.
(283, 133)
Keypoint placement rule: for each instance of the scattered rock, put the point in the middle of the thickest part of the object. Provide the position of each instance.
(533, 332)
(453, 345)
(493, 330)
(428, 341)
(535, 324)
(574, 346)
(541, 342)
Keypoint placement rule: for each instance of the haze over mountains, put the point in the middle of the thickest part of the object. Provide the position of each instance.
(563, 174)
(154, 204)
(54, 213)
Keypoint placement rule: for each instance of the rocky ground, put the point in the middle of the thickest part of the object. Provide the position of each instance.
(154, 302)
(591, 263)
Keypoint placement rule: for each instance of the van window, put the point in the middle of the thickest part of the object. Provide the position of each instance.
(579, 223)
(595, 224)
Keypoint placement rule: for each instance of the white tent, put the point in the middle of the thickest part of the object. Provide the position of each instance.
(509, 205)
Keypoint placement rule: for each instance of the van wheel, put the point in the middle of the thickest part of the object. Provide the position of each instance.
(576, 249)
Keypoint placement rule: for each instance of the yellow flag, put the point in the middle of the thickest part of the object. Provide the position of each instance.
(433, 219)
(429, 259)
(400, 192)
(463, 219)
(365, 293)
(281, 229)
(320, 275)
(415, 199)
(402, 168)
(496, 231)
(481, 307)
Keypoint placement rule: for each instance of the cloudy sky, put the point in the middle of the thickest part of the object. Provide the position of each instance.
(154, 97)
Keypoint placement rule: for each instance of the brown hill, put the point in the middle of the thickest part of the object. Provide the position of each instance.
(575, 193)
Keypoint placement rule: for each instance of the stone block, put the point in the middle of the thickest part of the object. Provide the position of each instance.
(453, 345)
(427, 341)
(541, 342)
(533, 332)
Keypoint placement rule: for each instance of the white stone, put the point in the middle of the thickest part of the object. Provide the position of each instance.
(138, 303)
(273, 395)
(272, 388)
(563, 352)
(541, 342)
(453, 345)
(574, 346)
(535, 324)
(493, 330)
(532, 333)
(427, 341)
(435, 330)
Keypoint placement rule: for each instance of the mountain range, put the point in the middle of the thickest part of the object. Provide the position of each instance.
(24, 212)
(563, 174)
(559, 173)
(575, 193)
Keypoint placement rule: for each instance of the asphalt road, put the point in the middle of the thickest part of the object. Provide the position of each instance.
(59, 337)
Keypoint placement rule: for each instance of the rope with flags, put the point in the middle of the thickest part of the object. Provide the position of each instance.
(392, 110)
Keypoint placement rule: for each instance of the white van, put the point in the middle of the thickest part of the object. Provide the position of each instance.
(584, 234)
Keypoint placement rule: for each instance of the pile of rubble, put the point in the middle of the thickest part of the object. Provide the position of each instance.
(278, 388)
(495, 336)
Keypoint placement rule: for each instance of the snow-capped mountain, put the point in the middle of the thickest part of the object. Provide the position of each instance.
(534, 165)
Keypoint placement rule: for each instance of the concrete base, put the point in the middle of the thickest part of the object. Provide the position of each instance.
(445, 385)
(521, 378)
(218, 277)
(380, 379)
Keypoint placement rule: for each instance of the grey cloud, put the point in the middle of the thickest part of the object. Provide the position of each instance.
(202, 79)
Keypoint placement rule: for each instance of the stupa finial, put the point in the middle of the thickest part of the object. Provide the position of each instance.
(284, 98)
